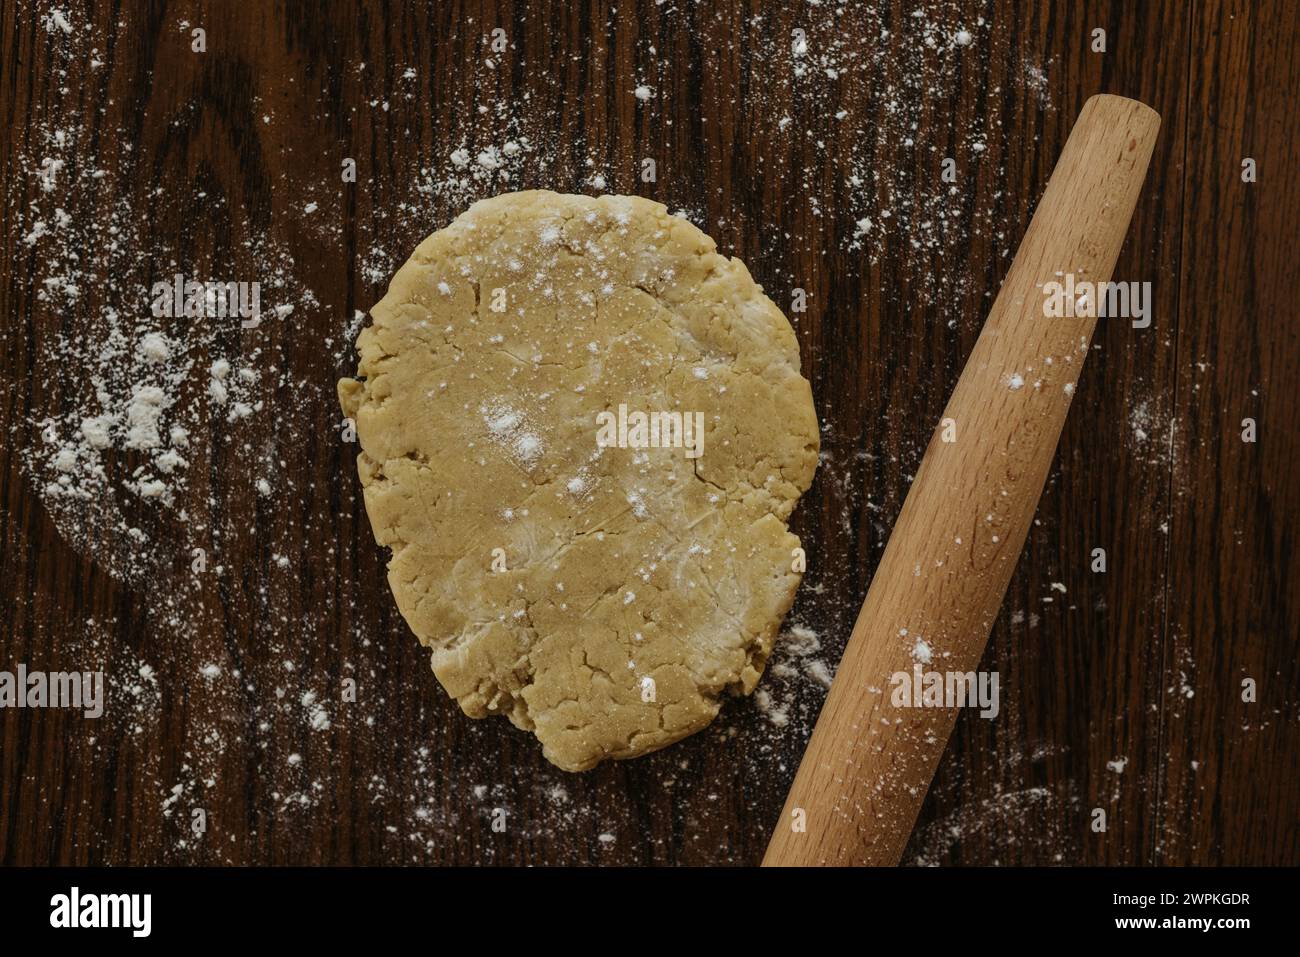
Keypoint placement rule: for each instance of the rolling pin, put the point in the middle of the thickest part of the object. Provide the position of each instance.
(945, 570)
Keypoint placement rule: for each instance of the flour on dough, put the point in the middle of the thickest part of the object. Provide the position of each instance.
(604, 598)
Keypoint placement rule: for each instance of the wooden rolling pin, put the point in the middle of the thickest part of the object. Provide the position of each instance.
(946, 568)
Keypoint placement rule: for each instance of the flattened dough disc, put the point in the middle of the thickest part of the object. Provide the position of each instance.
(603, 597)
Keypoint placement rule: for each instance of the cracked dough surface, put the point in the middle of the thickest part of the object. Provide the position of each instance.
(639, 585)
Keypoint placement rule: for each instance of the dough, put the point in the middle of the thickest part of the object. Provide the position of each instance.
(603, 597)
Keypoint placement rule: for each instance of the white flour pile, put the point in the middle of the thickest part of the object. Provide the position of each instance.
(796, 660)
(137, 395)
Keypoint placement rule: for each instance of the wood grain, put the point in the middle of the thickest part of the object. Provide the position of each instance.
(1234, 579)
(211, 152)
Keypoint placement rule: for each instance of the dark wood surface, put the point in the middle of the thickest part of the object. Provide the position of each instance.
(1122, 693)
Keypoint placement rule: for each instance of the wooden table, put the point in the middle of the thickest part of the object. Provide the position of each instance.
(1121, 690)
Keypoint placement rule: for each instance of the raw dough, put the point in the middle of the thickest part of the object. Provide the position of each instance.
(633, 586)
